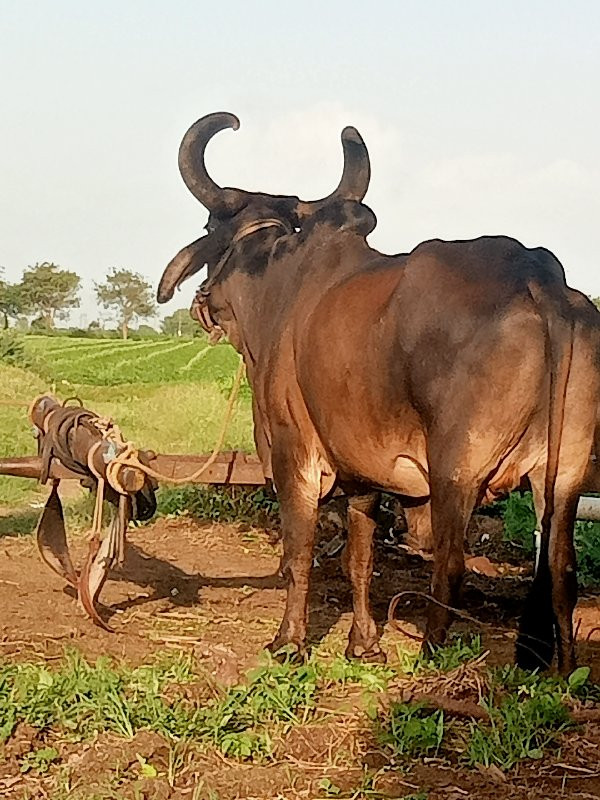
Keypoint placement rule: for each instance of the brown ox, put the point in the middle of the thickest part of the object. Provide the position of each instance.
(448, 373)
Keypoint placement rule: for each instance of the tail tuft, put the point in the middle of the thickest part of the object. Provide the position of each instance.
(536, 640)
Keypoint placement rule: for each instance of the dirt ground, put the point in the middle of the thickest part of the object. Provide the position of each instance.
(214, 590)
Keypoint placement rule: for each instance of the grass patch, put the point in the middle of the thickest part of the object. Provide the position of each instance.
(170, 418)
(241, 723)
(116, 362)
(78, 513)
(80, 699)
(223, 504)
(528, 713)
(459, 650)
(520, 729)
(520, 523)
(77, 700)
(17, 388)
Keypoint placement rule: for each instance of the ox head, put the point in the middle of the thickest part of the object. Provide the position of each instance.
(235, 214)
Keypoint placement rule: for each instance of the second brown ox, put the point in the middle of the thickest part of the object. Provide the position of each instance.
(445, 375)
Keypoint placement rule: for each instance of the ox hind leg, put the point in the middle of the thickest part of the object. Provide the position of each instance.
(363, 641)
(452, 504)
(419, 537)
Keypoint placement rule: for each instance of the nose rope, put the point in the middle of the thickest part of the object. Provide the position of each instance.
(199, 309)
(247, 230)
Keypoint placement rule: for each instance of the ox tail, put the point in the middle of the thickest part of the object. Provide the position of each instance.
(537, 634)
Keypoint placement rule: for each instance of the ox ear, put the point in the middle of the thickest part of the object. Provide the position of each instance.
(185, 264)
(344, 215)
(358, 217)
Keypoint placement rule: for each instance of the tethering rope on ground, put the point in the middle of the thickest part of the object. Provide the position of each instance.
(395, 625)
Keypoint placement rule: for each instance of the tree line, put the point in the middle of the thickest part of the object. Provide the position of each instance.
(47, 293)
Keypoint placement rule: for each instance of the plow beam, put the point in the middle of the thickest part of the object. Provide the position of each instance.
(31, 467)
(232, 468)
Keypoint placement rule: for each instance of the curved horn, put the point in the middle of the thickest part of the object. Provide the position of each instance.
(357, 168)
(355, 177)
(186, 263)
(192, 166)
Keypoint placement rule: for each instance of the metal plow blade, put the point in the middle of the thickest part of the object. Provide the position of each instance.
(52, 539)
(92, 578)
(102, 556)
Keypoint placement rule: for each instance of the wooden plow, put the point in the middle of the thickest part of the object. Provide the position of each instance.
(77, 444)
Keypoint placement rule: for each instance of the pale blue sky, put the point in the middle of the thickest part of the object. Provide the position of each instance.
(480, 117)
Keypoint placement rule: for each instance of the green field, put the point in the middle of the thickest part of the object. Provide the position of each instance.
(168, 395)
(101, 362)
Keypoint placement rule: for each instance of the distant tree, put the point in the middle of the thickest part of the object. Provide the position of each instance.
(146, 332)
(128, 294)
(49, 291)
(38, 325)
(11, 300)
(180, 323)
(596, 302)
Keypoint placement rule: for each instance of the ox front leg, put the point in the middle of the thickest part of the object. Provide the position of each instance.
(298, 497)
(358, 557)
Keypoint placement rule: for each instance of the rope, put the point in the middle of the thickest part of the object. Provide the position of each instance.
(128, 457)
(393, 623)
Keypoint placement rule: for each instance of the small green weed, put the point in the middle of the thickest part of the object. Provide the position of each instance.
(146, 768)
(411, 730)
(39, 760)
(458, 651)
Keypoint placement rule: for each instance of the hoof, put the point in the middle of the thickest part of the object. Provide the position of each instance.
(375, 655)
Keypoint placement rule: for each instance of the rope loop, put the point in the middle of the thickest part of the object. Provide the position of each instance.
(128, 455)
